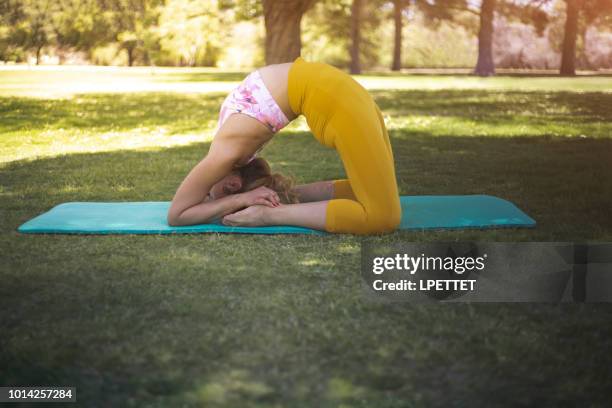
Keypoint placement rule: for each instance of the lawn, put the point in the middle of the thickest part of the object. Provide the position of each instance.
(267, 321)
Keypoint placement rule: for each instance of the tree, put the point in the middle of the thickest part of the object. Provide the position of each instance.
(568, 55)
(527, 11)
(282, 20)
(356, 10)
(10, 16)
(398, 10)
(448, 10)
(593, 12)
(80, 25)
(453, 10)
(131, 21)
(30, 24)
(330, 31)
(485, 65)
(596, 14)
(192, 32)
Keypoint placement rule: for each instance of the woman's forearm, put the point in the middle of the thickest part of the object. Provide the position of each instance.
(317, 191)
(208, 211)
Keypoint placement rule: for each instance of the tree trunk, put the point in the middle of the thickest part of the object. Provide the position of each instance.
(568, 56)
(355, 36)
(398, 7)
(485, 65)
(38, 50)
(282, 19)
(130, 55)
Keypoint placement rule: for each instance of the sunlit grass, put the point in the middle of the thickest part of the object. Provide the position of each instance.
(89, 115)
(67, 81)
(63, 82)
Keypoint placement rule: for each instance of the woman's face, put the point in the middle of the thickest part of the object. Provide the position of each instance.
(230, 184)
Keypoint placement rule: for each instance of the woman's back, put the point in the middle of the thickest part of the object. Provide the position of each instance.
(275, 78)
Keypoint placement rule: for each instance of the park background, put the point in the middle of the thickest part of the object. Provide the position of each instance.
(360, 34)
(265, 321)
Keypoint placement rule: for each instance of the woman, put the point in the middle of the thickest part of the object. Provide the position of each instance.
(341, 115)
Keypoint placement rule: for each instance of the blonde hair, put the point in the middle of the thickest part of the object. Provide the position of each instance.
(258, 173)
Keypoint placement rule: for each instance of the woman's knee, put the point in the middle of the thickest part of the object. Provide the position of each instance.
(387, 214)
(348, 216)
(382, 221)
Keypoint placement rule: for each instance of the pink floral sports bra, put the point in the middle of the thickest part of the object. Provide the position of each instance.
(252, 98)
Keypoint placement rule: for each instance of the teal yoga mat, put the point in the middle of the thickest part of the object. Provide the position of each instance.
(419, 212)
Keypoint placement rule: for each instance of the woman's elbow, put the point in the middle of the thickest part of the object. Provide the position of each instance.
(173, 218)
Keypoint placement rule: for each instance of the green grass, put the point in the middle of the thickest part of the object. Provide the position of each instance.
(264, 321)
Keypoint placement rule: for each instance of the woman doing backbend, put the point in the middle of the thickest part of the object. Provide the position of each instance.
(231, 184)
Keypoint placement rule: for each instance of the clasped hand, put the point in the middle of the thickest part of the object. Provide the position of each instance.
(261, 196)
(256, 202)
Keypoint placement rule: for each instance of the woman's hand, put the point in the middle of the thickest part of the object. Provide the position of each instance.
(261, 196)
(253, 216)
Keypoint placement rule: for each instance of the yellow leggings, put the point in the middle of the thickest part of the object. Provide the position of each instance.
(368, 201)
(343, 115)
